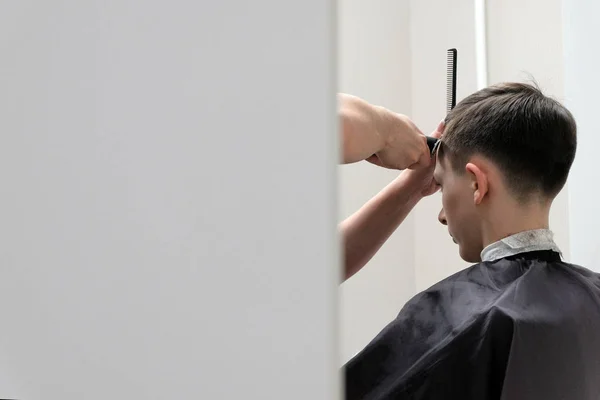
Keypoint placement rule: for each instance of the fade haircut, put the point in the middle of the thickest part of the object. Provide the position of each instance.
(532, 138)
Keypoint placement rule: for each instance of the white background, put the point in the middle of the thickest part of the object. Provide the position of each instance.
(582, 62)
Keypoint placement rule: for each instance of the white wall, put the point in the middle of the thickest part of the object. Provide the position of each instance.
(436, 26)
(374, 63)
(168, 200)
(581, 32)
(524, 42)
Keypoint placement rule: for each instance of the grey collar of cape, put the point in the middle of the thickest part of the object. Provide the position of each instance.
(523, 242)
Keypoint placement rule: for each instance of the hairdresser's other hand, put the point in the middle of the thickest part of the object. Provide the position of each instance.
(405, 145)
(379, 135)
(422, 178)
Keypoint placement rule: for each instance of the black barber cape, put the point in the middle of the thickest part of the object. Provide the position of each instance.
(523, 327)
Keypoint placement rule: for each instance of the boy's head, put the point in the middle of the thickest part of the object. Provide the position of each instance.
(505, 154)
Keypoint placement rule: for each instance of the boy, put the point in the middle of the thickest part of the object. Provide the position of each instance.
(520, 324)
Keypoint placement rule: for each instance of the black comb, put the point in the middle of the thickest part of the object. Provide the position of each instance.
(451, 80)
(450, 92)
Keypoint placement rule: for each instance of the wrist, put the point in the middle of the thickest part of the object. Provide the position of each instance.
(383, 123)
(410, 190)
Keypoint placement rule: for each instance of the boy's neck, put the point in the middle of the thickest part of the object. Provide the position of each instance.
(510, 219)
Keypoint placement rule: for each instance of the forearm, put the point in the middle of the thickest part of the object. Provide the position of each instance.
(366, 231)
(362, 133)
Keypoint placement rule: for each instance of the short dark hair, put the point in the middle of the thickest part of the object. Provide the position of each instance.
(532, 138)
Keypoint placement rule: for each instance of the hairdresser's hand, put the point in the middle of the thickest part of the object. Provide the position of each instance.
(405, 145)
(379, 135)
(422, 178)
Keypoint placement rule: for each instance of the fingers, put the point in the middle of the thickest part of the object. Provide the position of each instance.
(437, 133)
(374, 159)
(424, 156)
(425, 159)
(409, 151)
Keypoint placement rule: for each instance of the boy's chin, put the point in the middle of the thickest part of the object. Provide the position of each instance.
(472, 256)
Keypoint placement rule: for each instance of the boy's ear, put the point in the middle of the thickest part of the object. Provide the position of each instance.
(478, 181)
